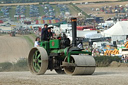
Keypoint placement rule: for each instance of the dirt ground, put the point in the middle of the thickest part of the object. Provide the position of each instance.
(102, 76)
(13, 48)
(60, 2)
(88, 8)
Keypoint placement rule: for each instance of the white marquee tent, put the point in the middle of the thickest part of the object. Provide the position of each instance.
(120, 28)
(117, 31)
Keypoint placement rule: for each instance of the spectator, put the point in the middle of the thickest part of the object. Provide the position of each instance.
(37, 44)
(126, 59)
(123, 58)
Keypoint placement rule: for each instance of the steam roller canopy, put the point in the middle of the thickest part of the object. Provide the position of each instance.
(38, 60)
(84, 64)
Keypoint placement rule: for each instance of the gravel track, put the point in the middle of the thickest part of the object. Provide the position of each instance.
(102, 76)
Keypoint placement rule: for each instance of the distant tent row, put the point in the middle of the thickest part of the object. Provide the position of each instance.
(47, 21)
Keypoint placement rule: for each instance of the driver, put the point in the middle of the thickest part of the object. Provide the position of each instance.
(46, 33)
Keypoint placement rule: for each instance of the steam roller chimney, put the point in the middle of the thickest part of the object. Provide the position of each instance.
(74, 33)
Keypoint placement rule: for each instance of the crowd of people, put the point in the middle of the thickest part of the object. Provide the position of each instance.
(124, 59)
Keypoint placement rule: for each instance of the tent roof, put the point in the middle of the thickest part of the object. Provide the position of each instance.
(5, 28)
(120, 28)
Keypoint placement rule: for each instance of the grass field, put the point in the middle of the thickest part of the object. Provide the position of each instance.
(57, 10)
(1, 14)
(12, 12)
(29, 41)
(27, 11)
(86, 8)
(41, 10)
(73, 11)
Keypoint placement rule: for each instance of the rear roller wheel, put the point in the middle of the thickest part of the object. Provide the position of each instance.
(38, 60)
(82, 65)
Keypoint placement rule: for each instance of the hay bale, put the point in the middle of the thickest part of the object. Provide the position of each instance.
(118, 64)
(115, 64)
(124, 65)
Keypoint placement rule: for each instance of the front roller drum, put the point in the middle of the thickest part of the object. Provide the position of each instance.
(38, 60)
(80, 65)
